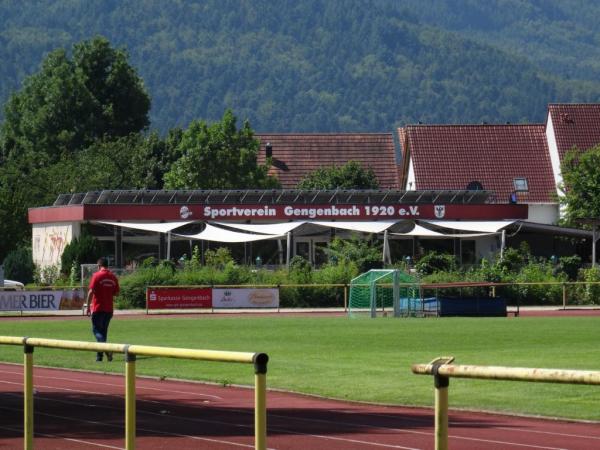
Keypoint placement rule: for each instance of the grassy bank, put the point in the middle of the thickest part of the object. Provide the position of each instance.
(356, 359)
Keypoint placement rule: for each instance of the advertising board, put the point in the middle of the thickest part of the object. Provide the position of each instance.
(245, 298)
(179, 298)
(42, 300)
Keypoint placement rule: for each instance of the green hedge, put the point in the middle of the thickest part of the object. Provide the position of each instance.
(517, 267)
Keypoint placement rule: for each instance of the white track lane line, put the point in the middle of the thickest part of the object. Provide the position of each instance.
(425, 420)
(121, 376)
(552, 433)
(79, 441)
(389, 428)
(335, 438)
(423, 433)
(120, 427)
(218, 422)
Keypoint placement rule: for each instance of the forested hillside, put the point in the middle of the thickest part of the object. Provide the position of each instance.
(560, 36)
(329, 65)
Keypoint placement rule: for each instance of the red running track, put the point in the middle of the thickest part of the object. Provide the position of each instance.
(77, 410)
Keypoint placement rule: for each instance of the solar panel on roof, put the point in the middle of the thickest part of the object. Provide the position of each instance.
(273, 196)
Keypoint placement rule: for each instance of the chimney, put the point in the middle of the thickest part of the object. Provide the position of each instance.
(268, 150)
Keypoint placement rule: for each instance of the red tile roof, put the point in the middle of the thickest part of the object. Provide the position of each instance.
(295, 155)
(451, 156)
(575, 125)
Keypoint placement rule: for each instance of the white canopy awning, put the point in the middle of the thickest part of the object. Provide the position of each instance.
(267, 228)
(216, 234)
(365, 227)
(158, 227)
(419, 231)
(485, 226)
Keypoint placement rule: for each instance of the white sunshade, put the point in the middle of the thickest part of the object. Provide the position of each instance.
(485, 226)
(419, 231)
(158, 227)
(267, 228)
(365, 227)
(215, 234)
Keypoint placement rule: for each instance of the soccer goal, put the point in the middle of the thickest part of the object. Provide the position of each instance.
(383, 290)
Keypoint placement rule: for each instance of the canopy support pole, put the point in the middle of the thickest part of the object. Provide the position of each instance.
(289, 249)
(594, 239)
(387, 257)
(502, 244)
(168, 245)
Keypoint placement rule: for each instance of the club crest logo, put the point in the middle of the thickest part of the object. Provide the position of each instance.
(185, 212)
(439, 211)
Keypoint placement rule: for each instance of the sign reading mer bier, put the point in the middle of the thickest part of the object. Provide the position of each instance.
(353, 212)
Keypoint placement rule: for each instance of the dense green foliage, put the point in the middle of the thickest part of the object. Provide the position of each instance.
(85, 249)
(353, 359)
(18, 265)
(69, 106)
(532, 281)
(71, 102)
(351, 175)
(218, 156)
(338, 65)
(557, 35)
(581, 184)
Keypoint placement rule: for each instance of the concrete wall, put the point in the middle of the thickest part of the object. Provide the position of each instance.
(543, 213)
(49, 241)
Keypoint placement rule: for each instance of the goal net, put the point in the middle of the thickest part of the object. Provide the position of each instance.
(383, 290)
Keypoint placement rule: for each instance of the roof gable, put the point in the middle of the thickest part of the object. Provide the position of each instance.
(296, 155)
(453, 156)
(575, 125)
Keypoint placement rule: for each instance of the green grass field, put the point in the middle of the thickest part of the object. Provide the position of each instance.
(355, 359)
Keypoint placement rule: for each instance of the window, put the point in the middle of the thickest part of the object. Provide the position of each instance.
(520, 184)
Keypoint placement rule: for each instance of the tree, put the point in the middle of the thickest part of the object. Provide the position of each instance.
(581, 184)
(61, 110)
(349, 176)
(70, 103)
(218, 156)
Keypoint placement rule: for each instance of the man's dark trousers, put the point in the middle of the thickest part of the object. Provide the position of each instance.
(100, 321)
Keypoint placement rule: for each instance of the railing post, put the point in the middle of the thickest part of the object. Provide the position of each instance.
(345, 298)
(129, 400)
(564, 286)
(28, 397)
(260, 401)
(441, 384)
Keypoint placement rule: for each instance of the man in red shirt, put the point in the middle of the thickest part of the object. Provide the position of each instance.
(103, 287)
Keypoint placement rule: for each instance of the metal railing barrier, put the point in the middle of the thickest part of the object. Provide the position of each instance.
(442, 370)
(259, 360)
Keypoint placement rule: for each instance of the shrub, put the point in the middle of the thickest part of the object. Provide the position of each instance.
(218, 258)
(133, 287)
(435, 262)
(47, 275)
(18, 265)
(366, 254)
(589, 293)
(536, 294)
(570, 265)
(82, 250)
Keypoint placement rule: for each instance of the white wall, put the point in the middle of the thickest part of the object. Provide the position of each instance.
(546, 213)
(555, 160)
(411, 184)
(49, 241)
